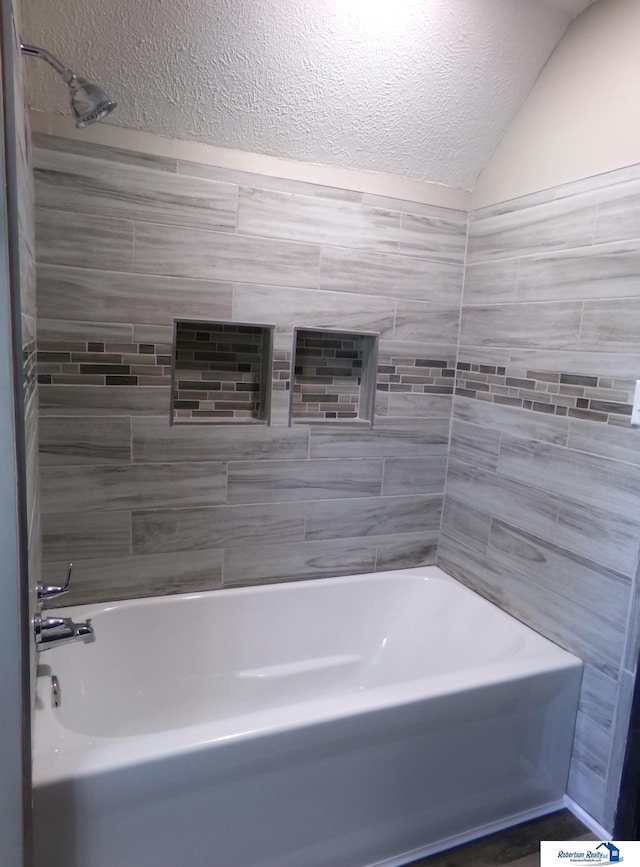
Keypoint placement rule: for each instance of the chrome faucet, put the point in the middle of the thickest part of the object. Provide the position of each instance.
(54, 631)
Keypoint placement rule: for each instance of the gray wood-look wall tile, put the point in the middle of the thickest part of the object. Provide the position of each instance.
(555, 225)
(512, 420)
(42, 143)
(591, 746)
(279, 481)
(611, 325)
(279, 410)
(90, 400)
(163, 530)
(611, 540)
(406, 550)
(500, 497)
(593, 481)
(514, 205)
(551, 324)
(418, 349)
(390, 437)
(154, 333)
(77, 535)
(84, 240)
(89, 298)
(455, 215)
(622, 365)
(598, 182)
(314, 219)
(474, 444)
(442, 235)
(107, 296)
(586, 788)
(71, 441)
(461, 521)
(394, 276)
(415, 475)
(132, 486)
(598, 697)
(154, 440)
(28, 326)
(570, 260)
(70, 331)
(294, 561)
(632, 649)
(490, 282)
(409, 405)
(426, 322)
(562, 571)
(267, 182)
(604, 271)
(376, 516)
(607, 440)
(573, 624)
(485, 355)
(618, 212)
(111, 578)
(289, 308)
(93, 186)
(177, 252)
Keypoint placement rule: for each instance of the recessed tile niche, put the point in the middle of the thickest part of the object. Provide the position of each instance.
(334, 376)
(221, 373)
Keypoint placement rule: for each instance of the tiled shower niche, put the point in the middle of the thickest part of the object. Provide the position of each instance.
(221, 373)
(334, 376)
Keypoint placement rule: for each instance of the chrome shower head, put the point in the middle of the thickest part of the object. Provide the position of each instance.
(89, 102)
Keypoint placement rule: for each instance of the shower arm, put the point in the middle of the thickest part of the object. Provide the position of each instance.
(67, 74)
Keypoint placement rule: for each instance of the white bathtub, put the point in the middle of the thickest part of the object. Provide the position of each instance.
(341, 722)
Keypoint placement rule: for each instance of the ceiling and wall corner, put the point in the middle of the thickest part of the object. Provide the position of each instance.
(423, 89)
(582, 117)
(574, 7)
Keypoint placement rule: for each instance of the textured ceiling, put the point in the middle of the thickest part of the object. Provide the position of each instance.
(421, 88)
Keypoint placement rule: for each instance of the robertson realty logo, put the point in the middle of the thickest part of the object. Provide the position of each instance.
(596, 852)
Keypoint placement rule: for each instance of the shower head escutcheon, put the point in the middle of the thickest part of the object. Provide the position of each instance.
(89, 102)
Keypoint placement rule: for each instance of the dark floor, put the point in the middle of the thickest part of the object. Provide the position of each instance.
(518, 846)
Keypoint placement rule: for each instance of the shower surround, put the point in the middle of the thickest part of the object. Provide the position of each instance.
(542, 506)
(128, 243)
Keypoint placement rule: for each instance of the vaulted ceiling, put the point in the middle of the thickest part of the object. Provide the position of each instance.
(420, 88)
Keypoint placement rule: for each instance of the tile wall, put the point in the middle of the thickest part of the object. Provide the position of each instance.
(542, 508)
(128, 243)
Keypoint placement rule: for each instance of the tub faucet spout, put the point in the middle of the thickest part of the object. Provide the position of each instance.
(54, 631)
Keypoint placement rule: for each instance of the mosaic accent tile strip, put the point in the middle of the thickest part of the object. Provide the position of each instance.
(103, 362)
(416, 375)
(30, 367)
(594, 398)
(218, 372)
(327, 376)
(281, 370)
